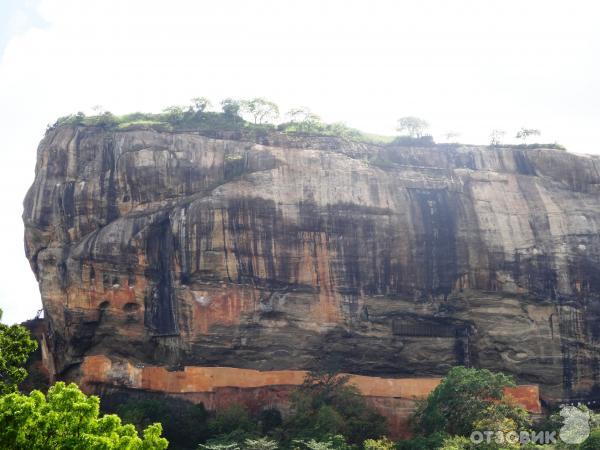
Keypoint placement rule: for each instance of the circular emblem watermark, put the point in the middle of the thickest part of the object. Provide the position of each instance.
(576, 425)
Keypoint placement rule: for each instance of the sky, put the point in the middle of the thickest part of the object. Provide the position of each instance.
(464, 66)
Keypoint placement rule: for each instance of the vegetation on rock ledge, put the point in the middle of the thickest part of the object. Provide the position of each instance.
(253, 118)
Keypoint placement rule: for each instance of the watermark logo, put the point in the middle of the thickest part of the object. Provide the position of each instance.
(576, 425)
(575, 430)
(514, 437)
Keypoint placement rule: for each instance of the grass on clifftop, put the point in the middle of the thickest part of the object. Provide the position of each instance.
(214, 123)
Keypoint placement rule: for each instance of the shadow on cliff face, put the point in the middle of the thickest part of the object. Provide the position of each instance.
(437, 243)
(159, 306)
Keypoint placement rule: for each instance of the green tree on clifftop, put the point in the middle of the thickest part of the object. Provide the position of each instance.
(200, 104)
(304, 119)
(525, 133)
(413, 126)
(230, 107)
(496, 137)
(260, 109)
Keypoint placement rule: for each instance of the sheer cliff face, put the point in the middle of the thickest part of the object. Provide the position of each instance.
(175, 249)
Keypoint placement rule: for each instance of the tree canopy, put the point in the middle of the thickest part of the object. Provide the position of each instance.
(230, 107)
(260, 109)
(15, 347)
(200, 104)
(467, 400)
(68, 419)
(327, 405)
(496, 137)
(184, 424)
(304, 119)
(413, 126)
(525, 133)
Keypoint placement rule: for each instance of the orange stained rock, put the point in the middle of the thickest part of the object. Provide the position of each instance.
(208, 379)
(220, 306)
(315, 266)
(92, 292)
(395, 387)
(225, 306)
(100, 369)
(527, 396)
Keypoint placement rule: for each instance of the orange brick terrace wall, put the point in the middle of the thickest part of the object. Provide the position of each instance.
(217, 387)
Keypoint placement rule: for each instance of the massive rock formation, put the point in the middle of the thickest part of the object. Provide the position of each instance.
(175, 249)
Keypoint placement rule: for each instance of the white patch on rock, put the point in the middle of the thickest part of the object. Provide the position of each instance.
(204, 301)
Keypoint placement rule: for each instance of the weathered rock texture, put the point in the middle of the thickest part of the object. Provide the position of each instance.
(175, 249)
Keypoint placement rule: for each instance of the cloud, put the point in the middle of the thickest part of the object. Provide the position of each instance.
(17, 17)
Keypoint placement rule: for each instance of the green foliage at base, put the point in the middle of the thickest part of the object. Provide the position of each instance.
(592, 442)
(327, 405)
(432, 441)
(466, 400)
(185, 424)
(378, 444)
(456, 443)
(232, 424)
(15, 347)
(67, 418)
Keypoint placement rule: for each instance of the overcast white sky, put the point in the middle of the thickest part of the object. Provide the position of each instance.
(465, 66)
